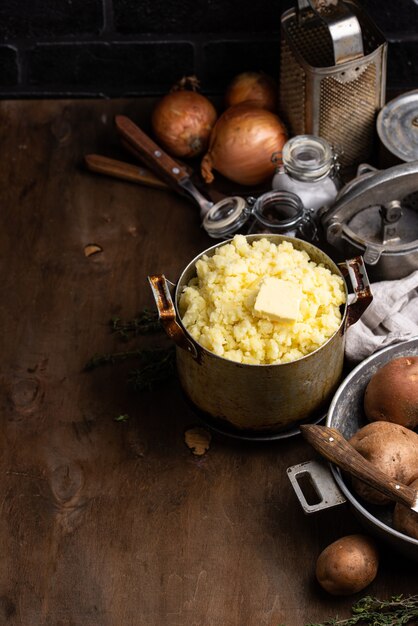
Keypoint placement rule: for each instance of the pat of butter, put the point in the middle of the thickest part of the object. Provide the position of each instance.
(278, 300)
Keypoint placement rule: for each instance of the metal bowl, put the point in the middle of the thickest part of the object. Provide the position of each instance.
(347, 415)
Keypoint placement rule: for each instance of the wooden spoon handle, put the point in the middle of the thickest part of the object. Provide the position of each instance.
(332, 445)
(152, 155)
(123, 171)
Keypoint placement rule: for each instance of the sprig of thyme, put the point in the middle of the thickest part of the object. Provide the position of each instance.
(144, 323)
(397, 611)
(158, 366)
(111, 358)
(121, 418)
(155, 364)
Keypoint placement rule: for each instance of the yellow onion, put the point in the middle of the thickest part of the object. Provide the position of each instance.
(242, 145)
(252, 86)
(182, 120)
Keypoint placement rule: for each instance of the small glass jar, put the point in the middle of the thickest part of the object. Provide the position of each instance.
(279, 212)
(282, 212)
(309, 170)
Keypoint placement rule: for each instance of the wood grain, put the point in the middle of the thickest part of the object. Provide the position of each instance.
(107, 523)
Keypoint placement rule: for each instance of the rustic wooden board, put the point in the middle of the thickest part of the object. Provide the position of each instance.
(107, 523)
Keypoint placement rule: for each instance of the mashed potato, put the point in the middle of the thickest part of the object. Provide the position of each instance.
(217, 306)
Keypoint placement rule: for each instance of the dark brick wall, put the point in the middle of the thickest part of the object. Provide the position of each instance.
(135, 47)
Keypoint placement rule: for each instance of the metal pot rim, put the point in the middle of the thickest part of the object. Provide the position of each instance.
(365, 513)
(254, 237)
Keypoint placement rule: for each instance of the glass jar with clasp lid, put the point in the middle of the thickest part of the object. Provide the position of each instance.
(309, 169)
(276, 211)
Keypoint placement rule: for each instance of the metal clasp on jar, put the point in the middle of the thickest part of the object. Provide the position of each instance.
(279, 212)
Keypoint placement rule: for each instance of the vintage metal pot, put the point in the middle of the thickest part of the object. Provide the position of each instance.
(259, 397)
(346, 414)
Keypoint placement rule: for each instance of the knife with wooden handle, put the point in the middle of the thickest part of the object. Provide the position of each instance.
(331, 444)
(131, 148)
(124, 171)
(161, 163)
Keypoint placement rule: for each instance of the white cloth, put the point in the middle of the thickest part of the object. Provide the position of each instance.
(392, 317)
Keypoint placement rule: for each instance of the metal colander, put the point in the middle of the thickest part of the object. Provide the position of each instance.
(333, 75)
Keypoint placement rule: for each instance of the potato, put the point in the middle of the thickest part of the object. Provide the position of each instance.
(348, 565)
(404, 519)
(391, 448)
(392, 393)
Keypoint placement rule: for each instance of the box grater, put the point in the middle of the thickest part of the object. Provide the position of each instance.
(333, 75)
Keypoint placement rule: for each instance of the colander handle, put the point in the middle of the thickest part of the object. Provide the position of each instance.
(344, 27)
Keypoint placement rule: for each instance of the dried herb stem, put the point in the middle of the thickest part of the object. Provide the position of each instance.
(146, 322)
(158, 366)
(121, 418)
(397, 611)
(154, 364)
(113, 357)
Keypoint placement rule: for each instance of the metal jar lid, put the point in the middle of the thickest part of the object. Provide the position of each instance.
(397, 126)
(226, 217)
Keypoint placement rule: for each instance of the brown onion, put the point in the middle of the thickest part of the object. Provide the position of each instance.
(252, 86)
(183, 120)
(243, 143)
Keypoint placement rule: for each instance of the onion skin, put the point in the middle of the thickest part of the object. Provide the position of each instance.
(182, 122)
(242, 144)
(254, 86)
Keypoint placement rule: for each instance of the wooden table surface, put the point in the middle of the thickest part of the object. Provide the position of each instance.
(118, 523)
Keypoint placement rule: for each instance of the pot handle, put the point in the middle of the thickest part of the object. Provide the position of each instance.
(167, 313)
(356, 272)
(314, 486)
